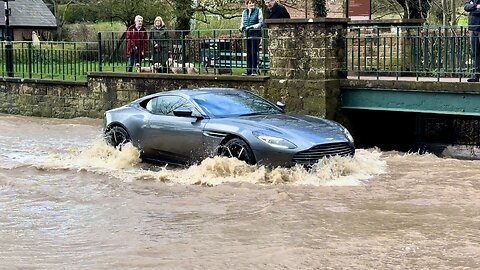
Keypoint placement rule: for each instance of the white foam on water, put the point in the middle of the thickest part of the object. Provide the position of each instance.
(125, 164)
(98, 156)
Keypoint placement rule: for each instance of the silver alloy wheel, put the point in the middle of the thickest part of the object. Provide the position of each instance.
(239, 149)
(117, 137)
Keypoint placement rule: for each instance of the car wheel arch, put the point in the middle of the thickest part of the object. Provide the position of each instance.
(116, 124)
(230, 137)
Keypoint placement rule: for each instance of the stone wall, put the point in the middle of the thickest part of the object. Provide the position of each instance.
(105, 91)
(47, 98)
(307, 49)
(307, 97)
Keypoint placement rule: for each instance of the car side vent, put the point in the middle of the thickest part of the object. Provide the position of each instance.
(214, 134)
(318, 152)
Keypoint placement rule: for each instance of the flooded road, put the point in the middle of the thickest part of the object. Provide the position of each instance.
(68, 201)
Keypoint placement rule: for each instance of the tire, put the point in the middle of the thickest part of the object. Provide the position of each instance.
(117, 136)
(238, 148)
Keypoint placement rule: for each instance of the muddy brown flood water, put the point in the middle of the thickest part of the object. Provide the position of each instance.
(67, 201)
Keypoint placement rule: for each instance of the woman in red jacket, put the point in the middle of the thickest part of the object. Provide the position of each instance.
(137, 43)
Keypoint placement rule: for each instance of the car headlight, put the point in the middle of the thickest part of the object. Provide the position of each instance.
(275, 141)
(347, 134)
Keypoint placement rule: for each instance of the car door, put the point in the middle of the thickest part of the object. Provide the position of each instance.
(174, 138)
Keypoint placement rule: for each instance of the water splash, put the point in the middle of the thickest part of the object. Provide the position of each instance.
(98, 156)
(102, 158)
(101, 155)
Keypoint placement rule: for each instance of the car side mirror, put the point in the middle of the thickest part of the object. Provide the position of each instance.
(183, 112)
(281, 105)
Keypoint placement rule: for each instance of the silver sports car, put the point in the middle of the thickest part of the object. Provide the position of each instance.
(186, 126)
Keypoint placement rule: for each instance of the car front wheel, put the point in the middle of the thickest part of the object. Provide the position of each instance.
(238, 148)
(117, 136)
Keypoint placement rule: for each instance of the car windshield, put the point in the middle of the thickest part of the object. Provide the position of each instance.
(234, 104)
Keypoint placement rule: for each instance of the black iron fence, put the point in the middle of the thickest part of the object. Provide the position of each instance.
(51, 60)
(421, 51)
(215, 52)
(212, 52)
(418, 51)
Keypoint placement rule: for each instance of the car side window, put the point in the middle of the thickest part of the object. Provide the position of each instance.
(165, 105)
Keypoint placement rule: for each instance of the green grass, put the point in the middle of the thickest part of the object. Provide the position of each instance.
(52, 71)
(463, 21)
(78, 71)
(107, 26)
(216, 22)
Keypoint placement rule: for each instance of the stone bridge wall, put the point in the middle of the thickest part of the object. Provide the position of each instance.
(104, 91)
(47, 98)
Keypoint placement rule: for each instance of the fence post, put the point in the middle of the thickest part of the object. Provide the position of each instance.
(184, 55)
(29, 55)
(8, 35)
(100, 51)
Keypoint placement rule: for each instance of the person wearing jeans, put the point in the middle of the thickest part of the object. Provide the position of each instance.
(137, 43)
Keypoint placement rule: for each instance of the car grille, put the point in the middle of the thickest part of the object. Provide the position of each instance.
(318, 152)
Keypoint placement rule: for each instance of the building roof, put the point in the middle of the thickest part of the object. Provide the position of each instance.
(28, 13)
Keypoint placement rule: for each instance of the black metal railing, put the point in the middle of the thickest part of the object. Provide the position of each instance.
(212, 52)
(416, 51)
(51, 60)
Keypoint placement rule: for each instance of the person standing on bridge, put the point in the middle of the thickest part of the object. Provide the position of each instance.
(473, 9)
(250, 25)
(137, 42)
(160, 43)
(275, 10)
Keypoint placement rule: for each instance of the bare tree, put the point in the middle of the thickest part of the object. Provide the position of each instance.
(446, 12)
(60, 13)
(126, 10)
(383, 8)
(415, 9)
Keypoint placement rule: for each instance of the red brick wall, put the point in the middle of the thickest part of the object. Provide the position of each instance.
(297, 10)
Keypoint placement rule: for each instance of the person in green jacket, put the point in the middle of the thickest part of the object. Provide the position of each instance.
(250, 25)
(159, 42)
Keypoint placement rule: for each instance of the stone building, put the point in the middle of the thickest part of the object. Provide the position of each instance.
(28, 16)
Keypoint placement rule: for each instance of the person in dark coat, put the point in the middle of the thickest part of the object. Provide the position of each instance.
(250, 25)
(159, 43)
(275, 10)
(137, 43)
(473, 9)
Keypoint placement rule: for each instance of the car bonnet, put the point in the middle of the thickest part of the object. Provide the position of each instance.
(315, 130)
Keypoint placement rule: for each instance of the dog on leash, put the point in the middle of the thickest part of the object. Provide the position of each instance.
(157, 68)
(178, 67)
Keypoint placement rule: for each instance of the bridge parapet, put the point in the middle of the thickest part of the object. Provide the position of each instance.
(408, 48)
(445, 98)
(307, 48)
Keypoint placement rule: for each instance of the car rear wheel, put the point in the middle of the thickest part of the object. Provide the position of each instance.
(117, 136)
(238, 148)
